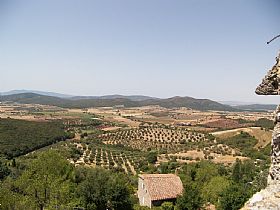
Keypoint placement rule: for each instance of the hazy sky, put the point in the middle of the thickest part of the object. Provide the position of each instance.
(202, 48)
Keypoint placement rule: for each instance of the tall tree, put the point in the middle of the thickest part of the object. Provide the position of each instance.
(212, 190)
(234, 197)
(47, 181)
(191, 198)
(102, 190)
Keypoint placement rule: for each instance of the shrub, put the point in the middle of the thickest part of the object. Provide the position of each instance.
(167, 206)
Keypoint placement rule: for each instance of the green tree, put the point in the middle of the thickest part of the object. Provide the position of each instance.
(46, 181)
(206, 170)
(211, 191)
(234, 197)
(243, 172)
(105, 191)
(191, 199)
(4, 171)
(237, 171)
(11, 199)
(152, 157)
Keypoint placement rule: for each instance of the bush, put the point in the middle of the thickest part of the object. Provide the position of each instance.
(152, 157)
(104, 190)
(191, 199)
(264, 123)
(167, 206)
(234, 197)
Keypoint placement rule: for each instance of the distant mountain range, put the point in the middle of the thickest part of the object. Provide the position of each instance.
(70, 101)
(257, 107)
(236, 103)
(72, 97)
(132, 97)
(115, 100)
(250, 106)
(12, 92)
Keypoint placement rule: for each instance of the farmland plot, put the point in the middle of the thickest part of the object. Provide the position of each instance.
(158, 138)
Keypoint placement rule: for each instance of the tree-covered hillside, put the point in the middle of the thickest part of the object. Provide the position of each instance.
(18, 137)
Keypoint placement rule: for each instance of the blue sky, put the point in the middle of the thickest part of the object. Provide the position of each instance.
(212, 49)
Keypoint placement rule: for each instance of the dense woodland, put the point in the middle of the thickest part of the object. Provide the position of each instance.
(18, 137)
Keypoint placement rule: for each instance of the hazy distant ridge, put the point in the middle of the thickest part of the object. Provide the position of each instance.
(59, 95)
(45, 93)
(132, 97)
(33, 98)
(256, 107)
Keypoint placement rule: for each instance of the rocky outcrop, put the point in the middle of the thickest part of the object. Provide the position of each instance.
(274, 172)
(269, 198)
(266, 199)
(271, 83)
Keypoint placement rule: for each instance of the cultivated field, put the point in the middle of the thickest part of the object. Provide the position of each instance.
(119, 138)
(153, 138)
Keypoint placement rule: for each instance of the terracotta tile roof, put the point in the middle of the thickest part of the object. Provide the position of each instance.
(162, 186)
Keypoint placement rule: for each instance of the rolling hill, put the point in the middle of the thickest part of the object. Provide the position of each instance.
(33, 98)
(132, 97)
(257, 107)
(45, 93)
(72, 97)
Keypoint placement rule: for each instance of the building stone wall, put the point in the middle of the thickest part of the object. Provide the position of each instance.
(143, 195)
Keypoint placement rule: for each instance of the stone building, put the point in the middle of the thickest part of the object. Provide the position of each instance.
(154, 189)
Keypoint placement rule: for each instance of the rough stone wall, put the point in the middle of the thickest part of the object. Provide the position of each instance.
(266, 199)
(274, 172)
(143, 195)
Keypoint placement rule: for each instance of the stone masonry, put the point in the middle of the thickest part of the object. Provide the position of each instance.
(274, 172)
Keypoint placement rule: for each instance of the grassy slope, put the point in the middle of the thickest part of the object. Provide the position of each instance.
(263, 136)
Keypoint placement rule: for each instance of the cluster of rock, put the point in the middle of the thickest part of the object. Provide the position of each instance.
(266, 199)
(274, 172)
(271, 83)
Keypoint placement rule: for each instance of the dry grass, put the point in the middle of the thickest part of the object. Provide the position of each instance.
(263, 136)
(194, 156)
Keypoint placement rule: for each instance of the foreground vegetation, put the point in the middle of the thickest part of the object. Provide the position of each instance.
(49, 181)
(98, 169)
